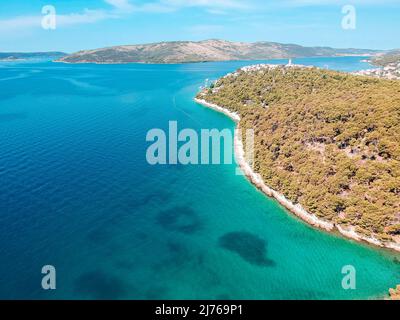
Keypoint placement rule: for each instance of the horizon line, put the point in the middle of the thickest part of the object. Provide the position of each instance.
(199, 41)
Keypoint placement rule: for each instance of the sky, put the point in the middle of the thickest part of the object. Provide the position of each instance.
(91, 24)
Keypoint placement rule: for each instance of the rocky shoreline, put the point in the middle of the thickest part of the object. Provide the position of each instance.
(296, 209)
(390, 72)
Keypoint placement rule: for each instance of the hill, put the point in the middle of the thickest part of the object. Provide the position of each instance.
(388, 58)
(12, 56)
(326, 140)
(208, 50)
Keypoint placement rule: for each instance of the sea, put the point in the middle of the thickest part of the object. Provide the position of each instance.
(78, 194)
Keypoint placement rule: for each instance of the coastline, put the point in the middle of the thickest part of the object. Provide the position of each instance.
(210, 61)
(297, 209)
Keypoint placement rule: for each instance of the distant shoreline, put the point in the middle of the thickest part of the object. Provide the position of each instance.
(126, 63)
(214, 61)
(297, 210)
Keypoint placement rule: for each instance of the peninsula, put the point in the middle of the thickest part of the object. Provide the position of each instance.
(326, 144)
(386, 58)
(388, 66)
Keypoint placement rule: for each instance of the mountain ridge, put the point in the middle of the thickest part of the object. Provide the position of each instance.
(211, 50)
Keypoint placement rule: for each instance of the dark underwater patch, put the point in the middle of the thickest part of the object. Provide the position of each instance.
(179, 257)
(100, 286)
(125, 265)
(176, 248)
(159, 197)
(99, 236)
(248, 246)
(182, 219)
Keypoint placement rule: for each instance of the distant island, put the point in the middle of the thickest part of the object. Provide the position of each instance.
(204, 51)
(388, 64)
(390, 71)
(387, 58)
(326, 144)
(16, 56)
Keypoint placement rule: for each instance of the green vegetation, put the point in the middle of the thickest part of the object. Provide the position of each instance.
(326, 140)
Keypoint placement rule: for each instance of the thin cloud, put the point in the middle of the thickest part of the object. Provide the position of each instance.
(121, 8)
(175, 5)
(209, 4)
(88, 16)
(123, 5)
(305, 3)
(20, 22)
(32, 22)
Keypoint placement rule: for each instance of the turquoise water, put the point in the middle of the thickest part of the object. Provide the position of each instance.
(76, 192)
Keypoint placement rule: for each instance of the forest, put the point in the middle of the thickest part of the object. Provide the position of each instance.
(325, 139)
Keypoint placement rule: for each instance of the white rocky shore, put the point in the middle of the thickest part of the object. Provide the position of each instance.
(391, 72)
(297, 209)
(257, 180)
(265, 66)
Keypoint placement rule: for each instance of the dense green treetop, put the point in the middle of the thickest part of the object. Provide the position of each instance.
(327, 140)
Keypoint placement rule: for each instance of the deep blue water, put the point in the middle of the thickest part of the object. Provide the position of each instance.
(76, 192)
